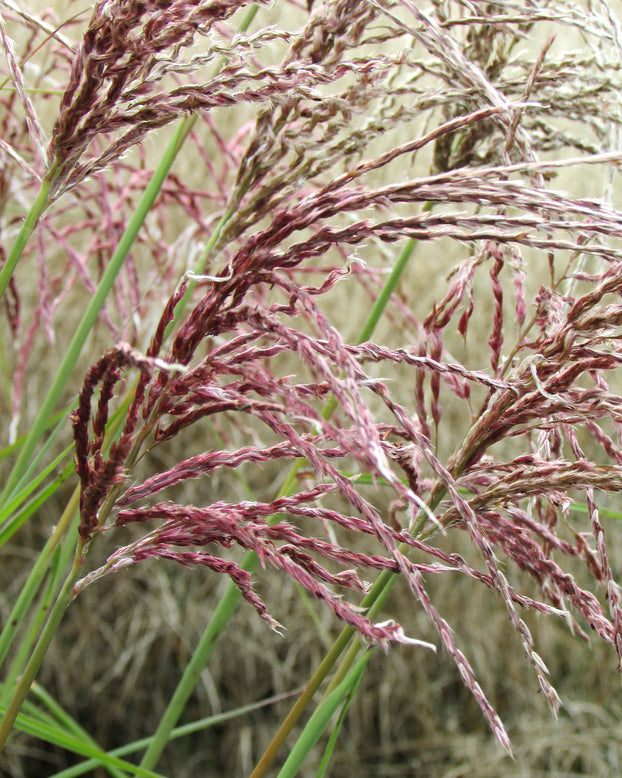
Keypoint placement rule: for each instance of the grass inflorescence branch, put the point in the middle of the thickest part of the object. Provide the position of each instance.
(251, 317)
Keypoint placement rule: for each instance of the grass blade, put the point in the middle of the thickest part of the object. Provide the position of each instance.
(183, 731)
(58, 737)
(39, 205)
(321, 718)
(36, 577)
(70, 725)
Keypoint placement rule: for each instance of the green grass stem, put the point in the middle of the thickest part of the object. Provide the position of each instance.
(62, 531)
(60, 561)
(321, 718)
(37, 574)
(22, 687)
(194, 668)
(41, 202)
(372, 604)
(334, 735)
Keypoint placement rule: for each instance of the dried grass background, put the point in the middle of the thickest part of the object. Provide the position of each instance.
(126, 639)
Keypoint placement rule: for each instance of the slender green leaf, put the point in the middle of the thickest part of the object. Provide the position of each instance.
(38, 714)
(184, 731)
(332, 740)
(58, 713)
(65, 532)
(28, 474)
(8, 451)
(321, 718)
(19, 519)
(58, 737)
(35, 616)
(14, 503)
(71, 726)
(37, 575)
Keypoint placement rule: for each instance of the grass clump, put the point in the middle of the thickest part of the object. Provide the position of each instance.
(366, 336)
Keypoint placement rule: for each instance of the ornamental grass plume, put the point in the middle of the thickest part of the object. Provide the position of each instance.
(115, 86)
(490, 411)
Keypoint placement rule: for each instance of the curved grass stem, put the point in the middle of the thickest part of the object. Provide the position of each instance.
(372, 604)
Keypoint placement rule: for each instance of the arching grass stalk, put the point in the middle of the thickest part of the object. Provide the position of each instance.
(321, 718)
(372, 604)
(231, 598)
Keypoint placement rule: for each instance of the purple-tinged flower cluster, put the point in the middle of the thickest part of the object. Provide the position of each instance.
(491, 409)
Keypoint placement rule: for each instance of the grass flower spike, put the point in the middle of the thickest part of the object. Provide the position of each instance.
(356, 332)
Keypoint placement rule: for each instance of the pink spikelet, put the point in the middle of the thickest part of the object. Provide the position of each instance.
(486, 412)
(613, 588)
